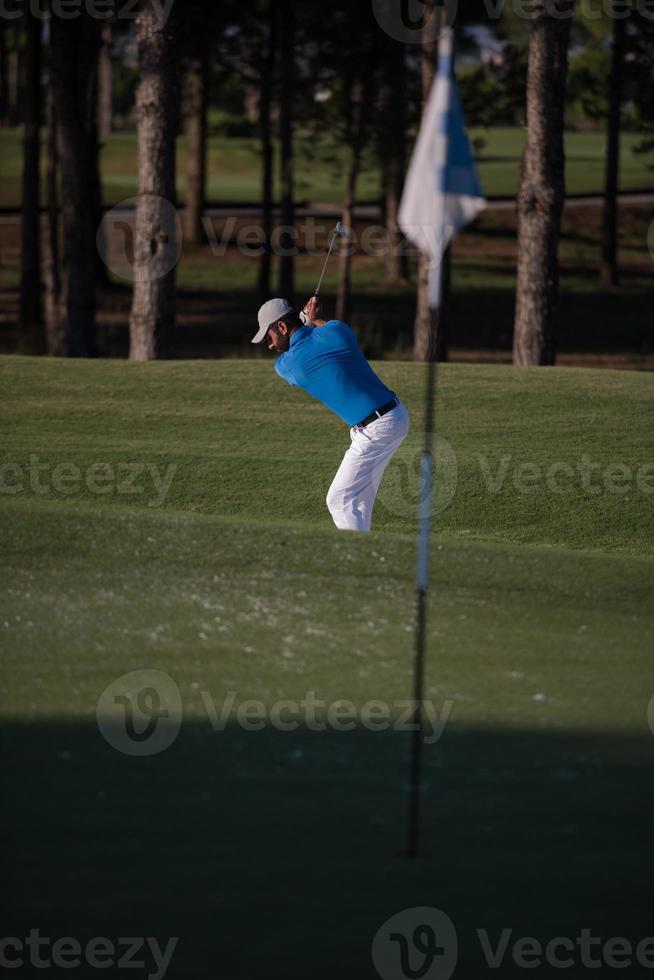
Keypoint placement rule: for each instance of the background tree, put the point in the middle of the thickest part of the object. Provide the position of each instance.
(542, 185)
(152, 318)
(639, 69)
(75, 46)
(358, 97)
(286, 111)
(357, 80)
(105, 85)
(594, 97)
(30, 283)
(4, 73)
(609, 265)
(12, 50)
(391, 136)
(266, 95)
(54, 329)
(95, 180)
(197, 82)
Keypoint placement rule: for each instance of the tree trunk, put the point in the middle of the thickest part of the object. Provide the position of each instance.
(55, 331)
(265, 101)
(74, 50)
(153, 313)
(13, 76)
(4, 76)
(105, 86)
(287, 244)
(430, 328)
(393, 154)
(30, 284)
(345, 247)
(361, 98)
(609, 268)
(95, 188)
(196, 155)
(542, 186)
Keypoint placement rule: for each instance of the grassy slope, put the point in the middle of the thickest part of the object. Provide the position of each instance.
(234, 167)
(253, 847)
(247, 446)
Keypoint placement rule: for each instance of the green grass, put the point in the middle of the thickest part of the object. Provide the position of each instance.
(234, 167)
(255, 848)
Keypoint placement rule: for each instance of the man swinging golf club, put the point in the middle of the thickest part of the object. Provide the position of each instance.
(323, 358)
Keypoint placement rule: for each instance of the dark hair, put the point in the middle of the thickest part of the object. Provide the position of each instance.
(292, 320)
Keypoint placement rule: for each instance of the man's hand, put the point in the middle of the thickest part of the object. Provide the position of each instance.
(312, 311)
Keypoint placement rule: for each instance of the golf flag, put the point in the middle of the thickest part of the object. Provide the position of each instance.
(442, 192)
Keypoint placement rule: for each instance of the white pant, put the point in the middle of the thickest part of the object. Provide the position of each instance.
(351, 497)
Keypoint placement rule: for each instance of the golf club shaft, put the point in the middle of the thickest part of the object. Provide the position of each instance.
(324, 266)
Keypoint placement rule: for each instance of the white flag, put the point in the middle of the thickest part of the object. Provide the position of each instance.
(442, 192)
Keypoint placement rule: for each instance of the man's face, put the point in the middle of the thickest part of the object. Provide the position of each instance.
(278, 338)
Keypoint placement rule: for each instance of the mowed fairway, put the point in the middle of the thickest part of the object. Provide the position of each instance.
(188, 534)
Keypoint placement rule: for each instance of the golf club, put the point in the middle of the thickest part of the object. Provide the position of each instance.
(340, 231)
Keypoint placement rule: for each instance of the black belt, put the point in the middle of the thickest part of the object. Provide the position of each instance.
(377, 414)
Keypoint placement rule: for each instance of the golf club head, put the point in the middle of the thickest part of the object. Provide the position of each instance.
(341, 230)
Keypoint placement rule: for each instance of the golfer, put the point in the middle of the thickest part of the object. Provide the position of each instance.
(324, 359)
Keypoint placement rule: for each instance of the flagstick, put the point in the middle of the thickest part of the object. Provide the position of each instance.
(432, 167)
(422, 583)
(422, 580)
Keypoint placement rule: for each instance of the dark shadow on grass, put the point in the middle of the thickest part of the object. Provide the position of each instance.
(272, 854)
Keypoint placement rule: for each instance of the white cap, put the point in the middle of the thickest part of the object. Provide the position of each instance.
(271, 312)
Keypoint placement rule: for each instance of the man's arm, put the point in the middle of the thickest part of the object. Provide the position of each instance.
(312, 311)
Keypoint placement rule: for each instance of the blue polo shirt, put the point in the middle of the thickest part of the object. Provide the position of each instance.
(328, 364)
